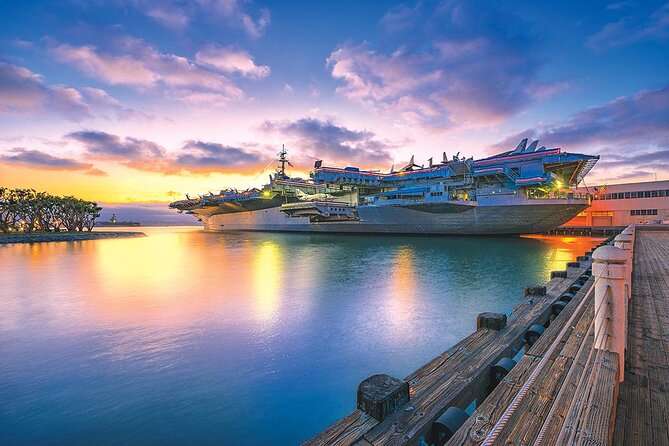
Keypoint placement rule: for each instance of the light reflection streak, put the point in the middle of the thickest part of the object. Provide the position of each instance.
(267, 276)
(563, 249)
(402, 287)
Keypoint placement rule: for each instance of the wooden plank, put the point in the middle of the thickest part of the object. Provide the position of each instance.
(472, 376)
(597, 418)
(455, 378)
(643, 404)
(535, 407)
(346, 432)
(484, 418)
(352, 428)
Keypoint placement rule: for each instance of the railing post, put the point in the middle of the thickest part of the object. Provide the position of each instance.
(609, 269)
(624, 242)
(631, 231)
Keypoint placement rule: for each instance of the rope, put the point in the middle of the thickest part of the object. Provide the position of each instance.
(598, 354)
(263, 171)
(515, 403)
(549, 417)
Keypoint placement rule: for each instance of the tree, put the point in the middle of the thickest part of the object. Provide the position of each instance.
(27, 210)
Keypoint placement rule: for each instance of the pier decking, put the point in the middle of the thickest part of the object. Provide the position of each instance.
(569, 386)
(643, 402)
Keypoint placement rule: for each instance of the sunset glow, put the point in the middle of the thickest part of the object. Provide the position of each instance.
(145, 101)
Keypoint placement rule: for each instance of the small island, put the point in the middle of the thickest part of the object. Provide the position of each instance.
(28, 216)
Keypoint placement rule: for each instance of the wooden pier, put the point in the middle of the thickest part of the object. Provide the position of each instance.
(569, 385)
(643, 402)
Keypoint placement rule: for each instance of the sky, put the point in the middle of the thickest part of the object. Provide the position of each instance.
(143, 101)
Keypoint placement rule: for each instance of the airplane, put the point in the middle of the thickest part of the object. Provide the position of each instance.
(311, 197)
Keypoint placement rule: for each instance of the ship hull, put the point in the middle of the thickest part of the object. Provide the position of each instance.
(537, 216)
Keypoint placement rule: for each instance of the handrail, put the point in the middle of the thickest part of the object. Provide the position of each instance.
(515, 403)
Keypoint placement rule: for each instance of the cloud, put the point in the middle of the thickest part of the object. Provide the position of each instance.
(400, 17)
(207, 156)
(629, 132)
(171, 17)
(325, 139)
(629, 121)
(632, 29)
(175, 14)
(36, 159)
(140, 154)
(135, 153)
(231, 60)
(24, 92)
(97, 173)
(236, 15)
(458, 62)
(135, 63)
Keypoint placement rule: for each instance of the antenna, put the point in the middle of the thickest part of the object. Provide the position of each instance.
(281, 171)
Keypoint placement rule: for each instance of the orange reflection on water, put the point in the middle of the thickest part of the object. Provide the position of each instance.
(267, 275)
(402, 284)
(146, 279)
(564, 248)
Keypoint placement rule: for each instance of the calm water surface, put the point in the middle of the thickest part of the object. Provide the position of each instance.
(236, 339)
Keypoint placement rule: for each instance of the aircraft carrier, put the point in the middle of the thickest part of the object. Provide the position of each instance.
(521, 191)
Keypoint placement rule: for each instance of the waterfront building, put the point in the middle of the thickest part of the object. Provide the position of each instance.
(625, 204)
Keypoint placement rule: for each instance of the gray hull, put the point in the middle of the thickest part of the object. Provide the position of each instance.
(529, 217)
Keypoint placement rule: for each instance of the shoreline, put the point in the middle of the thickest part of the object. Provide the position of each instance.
(45, 237)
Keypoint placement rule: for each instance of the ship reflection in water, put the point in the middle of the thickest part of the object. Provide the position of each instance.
(244, 338)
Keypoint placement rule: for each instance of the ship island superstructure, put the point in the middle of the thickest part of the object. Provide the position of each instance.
(525, 190)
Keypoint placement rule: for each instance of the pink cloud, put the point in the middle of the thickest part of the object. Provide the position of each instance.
(462, 64)
(24, 92)
(141, 65)
(107, 68)
(235, 14)
(231, 60)
(174, 18)
(177, 14)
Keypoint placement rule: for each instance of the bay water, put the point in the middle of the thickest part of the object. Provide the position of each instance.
(239, 338)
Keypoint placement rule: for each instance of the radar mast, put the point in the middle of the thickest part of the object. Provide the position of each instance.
(281, 170)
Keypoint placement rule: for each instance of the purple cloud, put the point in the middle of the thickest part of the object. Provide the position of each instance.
(634, 121)
(632, 29)
(24, 92)
(140, 154)
(630, 132)
(177, 15)
(458, 62)
(135, 63)
(37, 159)
(231, 60)
(325, 139)
(207, 156)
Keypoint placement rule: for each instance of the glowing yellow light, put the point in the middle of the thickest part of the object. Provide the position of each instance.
(265, 193)
(267, 280)
(558, 183)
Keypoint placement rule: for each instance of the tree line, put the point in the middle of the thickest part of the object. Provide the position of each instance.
(26, 210)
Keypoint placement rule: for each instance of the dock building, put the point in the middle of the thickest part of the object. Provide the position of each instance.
(619, 205)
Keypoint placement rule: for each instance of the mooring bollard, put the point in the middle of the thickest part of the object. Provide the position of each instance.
(535, 290)
(381, 395)
(493, 321)
(609, 269)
